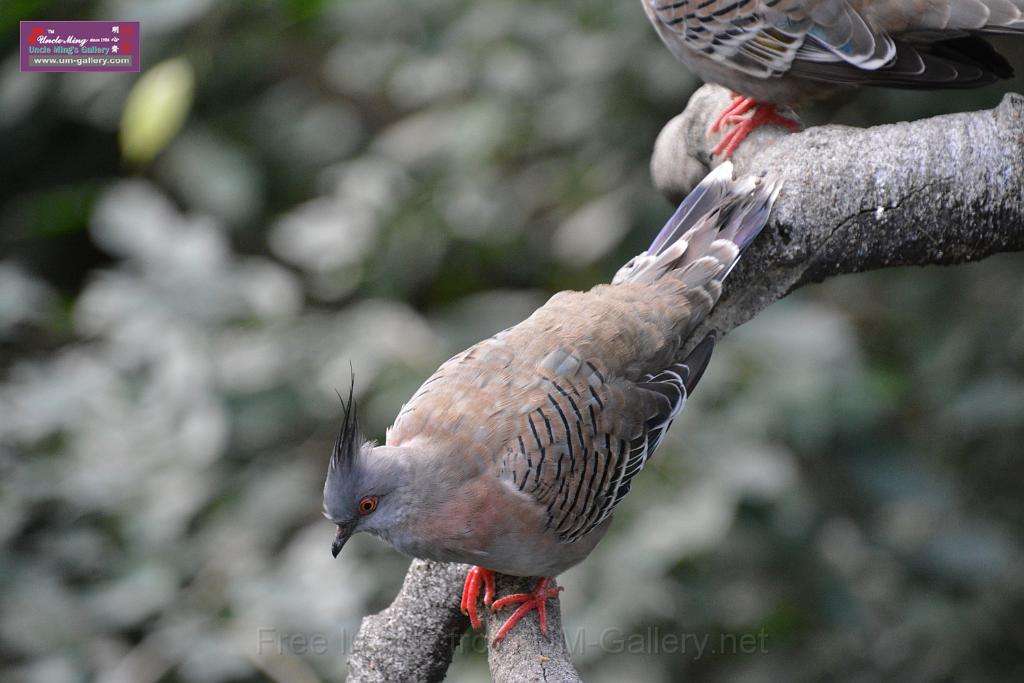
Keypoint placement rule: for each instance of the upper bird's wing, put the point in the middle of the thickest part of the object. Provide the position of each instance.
(846, 41)
(936, 44)
(763, 38)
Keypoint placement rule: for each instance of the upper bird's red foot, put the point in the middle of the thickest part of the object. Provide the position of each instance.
(537, 600)
(740, 126)
(740, 106)
(471, 592)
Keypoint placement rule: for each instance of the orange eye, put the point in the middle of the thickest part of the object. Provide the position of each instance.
(367, 505)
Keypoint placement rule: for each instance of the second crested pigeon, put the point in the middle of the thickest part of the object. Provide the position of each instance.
(784, 52)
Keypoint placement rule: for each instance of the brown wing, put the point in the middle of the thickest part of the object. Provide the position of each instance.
(474, 399)
(845, 41)
(763, 38)
(465, 403)
(586, 435)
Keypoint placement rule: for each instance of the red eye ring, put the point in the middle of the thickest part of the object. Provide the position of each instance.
(367, 505)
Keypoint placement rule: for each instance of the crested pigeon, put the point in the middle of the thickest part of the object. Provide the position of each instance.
(515, 453)
(785, 52)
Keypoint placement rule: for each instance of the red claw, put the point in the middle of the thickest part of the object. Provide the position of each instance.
(471, 592)
(537, 600)
(740, 106)
(740, 126)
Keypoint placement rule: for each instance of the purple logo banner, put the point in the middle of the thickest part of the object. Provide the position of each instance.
(80, 46)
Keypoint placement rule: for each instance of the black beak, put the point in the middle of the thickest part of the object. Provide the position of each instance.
(339, 540)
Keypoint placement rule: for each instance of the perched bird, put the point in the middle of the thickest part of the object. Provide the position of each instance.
(513, 455)
(784, 52)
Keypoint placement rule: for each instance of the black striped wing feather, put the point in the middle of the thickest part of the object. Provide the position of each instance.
(838, 41)
(735, 32)
(586, 436)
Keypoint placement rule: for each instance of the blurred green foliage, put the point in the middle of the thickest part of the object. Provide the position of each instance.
(386, 183)
(155, 109)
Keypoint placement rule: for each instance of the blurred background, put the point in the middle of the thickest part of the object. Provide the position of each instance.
(191, 257)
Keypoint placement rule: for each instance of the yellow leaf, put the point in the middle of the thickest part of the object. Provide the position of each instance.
(155, 110)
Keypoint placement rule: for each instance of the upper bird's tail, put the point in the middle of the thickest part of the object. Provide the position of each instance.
(706, 236)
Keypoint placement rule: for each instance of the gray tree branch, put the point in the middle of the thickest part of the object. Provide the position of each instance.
(525, 654)
(944, 190)
(414, 639)
(939, 191)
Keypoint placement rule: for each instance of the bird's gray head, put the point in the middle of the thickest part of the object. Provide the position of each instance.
(366, 485)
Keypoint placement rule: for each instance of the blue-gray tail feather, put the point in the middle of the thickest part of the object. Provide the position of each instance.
(707, 233)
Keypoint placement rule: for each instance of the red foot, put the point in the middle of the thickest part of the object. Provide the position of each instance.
(537, 600)
(471, 592)
(740, 106)
(741, 126)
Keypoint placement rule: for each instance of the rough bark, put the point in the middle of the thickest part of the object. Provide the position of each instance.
(525, 655)
(939, 191)
(944, 190)
(413, 639)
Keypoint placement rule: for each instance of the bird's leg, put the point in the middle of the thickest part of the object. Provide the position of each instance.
(537, 600)
(741, 126)
(471, 592)
(740, 106)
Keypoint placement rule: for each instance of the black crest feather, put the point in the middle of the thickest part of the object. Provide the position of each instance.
(349, 438)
